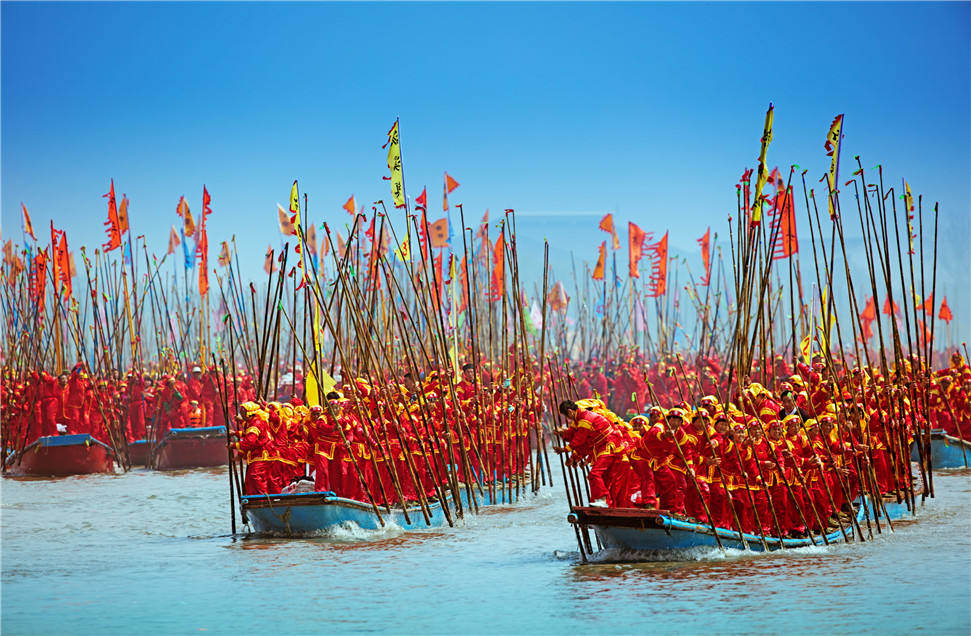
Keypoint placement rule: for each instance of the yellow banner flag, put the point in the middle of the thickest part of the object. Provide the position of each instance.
(833, 147)
(295, 205)
(394, 164)
(909, 209)
(404, 251)
(763, 174)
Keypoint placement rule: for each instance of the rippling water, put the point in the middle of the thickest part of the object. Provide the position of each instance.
(149, 553)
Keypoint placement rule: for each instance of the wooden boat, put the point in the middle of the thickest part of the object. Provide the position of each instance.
(946, 451)
(313, 512)
(59, 455)
(192, 448)
(660, 531)
(138, 452)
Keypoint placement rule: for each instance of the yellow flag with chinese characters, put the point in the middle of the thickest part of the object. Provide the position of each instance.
(763, 174)
(394, 164)
(833, 146)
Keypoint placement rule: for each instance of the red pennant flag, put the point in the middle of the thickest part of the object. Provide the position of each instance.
(55, 261)
(39, 281)
(64, 265)
(945, 313)
(28, 226)
(783, 226)
(870, 311)
(497, 285)
(887, 309)
(607, 225)
(421, 201)
(423, 236)
(867, 326)
(114, 227)
(705, 243)
(450, 184)
(928, 305)
(598, 271)
(636, 237)
(659, 275)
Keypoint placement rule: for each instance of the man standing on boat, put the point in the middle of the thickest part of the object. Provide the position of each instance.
(591, 437)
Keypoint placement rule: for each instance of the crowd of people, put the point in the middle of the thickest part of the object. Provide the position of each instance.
(392, 442)
(117, 408)
(782, 462)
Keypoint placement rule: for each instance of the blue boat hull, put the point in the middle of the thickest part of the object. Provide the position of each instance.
(314, 512)
(946, 451)
(657, 531)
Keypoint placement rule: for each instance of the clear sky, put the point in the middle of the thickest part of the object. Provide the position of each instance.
(562, 111)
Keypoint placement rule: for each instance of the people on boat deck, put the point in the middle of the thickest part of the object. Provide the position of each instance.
(780, 463)
(395, 442)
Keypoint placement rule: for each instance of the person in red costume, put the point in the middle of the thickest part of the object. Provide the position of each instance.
(260, 439)
(592, 438)
(662, 442)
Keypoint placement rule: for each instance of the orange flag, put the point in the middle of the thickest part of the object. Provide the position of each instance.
(438, 233)
(421, 201)
(945, 313)
(350, 206)
(635, 247)
(64, 265)
(114, 230)
(557, 300)
(189, 224)
(450, 184)
(173, 241)
(269, 265)
(286, 227)
(341, 245)
(607, 225)
(928, 305)
(28, 226)
(497, 285)
(123, 214)
(705, 242)
(659, 276)
(598, 271)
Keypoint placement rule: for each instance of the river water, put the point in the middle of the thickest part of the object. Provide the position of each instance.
(152, 553)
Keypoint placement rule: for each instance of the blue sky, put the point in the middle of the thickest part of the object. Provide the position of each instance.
(562, 111)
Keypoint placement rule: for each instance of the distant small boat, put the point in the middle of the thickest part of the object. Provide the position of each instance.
(192, 448)
(60, 455)
(312, 512)
(946, 451)
(661, 531)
